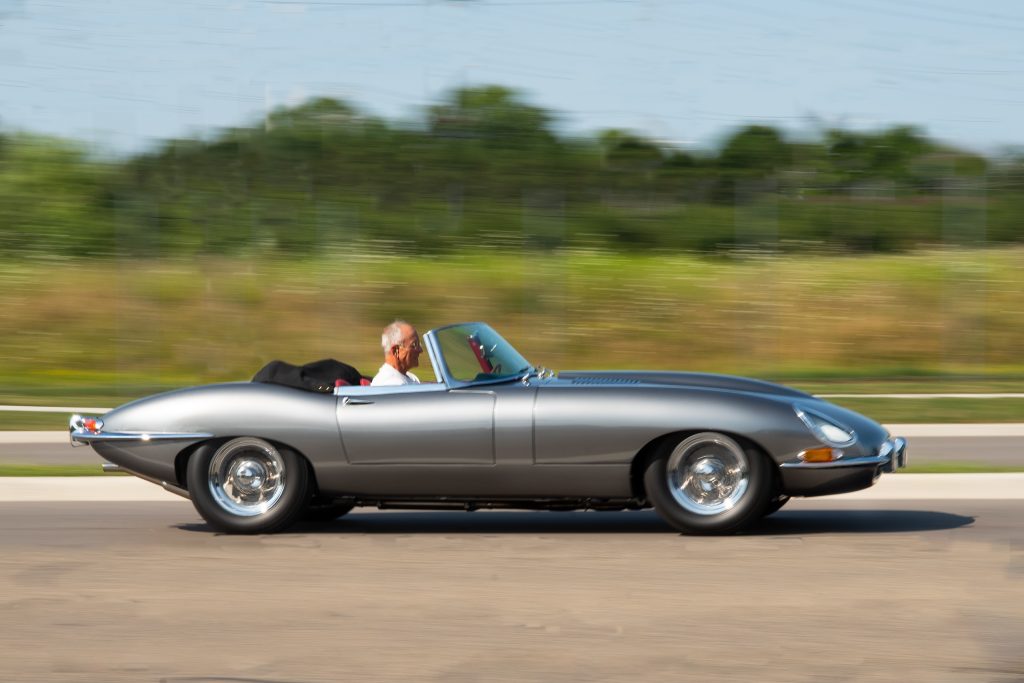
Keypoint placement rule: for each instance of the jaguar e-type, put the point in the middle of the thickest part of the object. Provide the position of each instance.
(711, 453)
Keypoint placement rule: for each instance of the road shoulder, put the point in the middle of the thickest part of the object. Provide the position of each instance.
(902, 486)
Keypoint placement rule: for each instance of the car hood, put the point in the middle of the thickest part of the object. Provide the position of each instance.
(697, 380)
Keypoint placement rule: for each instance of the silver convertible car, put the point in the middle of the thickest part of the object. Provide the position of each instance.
(710, 453)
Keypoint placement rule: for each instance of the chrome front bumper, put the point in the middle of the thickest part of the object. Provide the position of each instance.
(891, 456)
(85, 431)
(842, 475)
(896, 450)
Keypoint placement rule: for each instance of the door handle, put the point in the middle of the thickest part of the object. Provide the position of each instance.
(349, 401)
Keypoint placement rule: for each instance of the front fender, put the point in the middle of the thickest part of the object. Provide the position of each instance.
(609, 425)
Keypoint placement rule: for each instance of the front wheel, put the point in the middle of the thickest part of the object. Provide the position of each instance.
(708, 483)
(776, 504)
(248, 485)
(318, 511)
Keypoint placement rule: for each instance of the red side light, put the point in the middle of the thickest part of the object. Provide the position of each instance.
(92, 424)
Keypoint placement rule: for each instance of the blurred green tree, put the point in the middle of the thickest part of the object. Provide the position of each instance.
(53, 198)
(496, 116)
(758, 150)
(486, 165)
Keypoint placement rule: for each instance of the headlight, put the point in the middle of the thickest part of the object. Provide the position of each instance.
(826, 429)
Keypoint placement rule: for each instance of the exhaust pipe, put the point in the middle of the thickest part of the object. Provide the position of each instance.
(109, 467)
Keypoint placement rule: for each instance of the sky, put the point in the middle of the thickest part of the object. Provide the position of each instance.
(123, 75)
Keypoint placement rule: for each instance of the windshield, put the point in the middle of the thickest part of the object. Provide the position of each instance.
(474, 352)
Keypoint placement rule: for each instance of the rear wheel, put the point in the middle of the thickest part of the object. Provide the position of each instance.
(708, 483)
(248, 485)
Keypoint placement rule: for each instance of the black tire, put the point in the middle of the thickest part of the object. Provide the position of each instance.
(775, 504)
(326, 512)
(248, 486)
(709, 483)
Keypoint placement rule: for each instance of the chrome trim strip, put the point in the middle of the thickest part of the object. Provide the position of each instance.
(349, 391)
(867, 461)
(434, 354)
(803, 412)
(83, 436)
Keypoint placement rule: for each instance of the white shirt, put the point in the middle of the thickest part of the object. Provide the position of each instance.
(389, 376)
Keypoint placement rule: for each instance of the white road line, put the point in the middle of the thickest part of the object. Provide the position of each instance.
(919, 396)
(34, 437)
(979, 486)
(901, 486)
(53, 409)
(80, 489)
(953, 429)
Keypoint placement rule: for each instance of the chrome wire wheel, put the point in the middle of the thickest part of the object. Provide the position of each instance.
(708, 473)
(246, 476)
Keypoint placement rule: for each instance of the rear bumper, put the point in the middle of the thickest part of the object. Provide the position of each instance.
(81, 435)
(147, 455)
(842, 476)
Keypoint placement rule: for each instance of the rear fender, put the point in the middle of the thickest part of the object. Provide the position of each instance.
(304, 421)
(182, 459)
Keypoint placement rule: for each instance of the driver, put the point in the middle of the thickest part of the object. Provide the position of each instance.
(402, 352)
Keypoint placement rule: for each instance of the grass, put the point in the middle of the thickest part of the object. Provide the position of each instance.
(48, 422)
(55, 471)
(937, 410)
(909, 385)
(80, 333)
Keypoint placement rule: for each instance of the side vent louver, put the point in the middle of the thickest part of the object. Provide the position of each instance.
(604, 380)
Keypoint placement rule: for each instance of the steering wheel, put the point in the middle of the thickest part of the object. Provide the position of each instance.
(481, 355)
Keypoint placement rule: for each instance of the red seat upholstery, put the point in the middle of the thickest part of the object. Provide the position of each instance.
(363, 382)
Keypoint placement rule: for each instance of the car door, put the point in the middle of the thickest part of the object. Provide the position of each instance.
(593, 425)
(424, 424)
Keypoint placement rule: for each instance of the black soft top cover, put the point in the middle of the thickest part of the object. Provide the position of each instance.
(319, 375)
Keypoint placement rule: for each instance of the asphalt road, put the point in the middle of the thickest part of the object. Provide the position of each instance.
(825, 590)
(988, 450)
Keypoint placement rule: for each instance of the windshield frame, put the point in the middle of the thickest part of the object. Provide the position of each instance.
(441, 370)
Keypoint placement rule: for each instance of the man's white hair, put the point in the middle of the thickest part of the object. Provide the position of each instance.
(392, 335)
